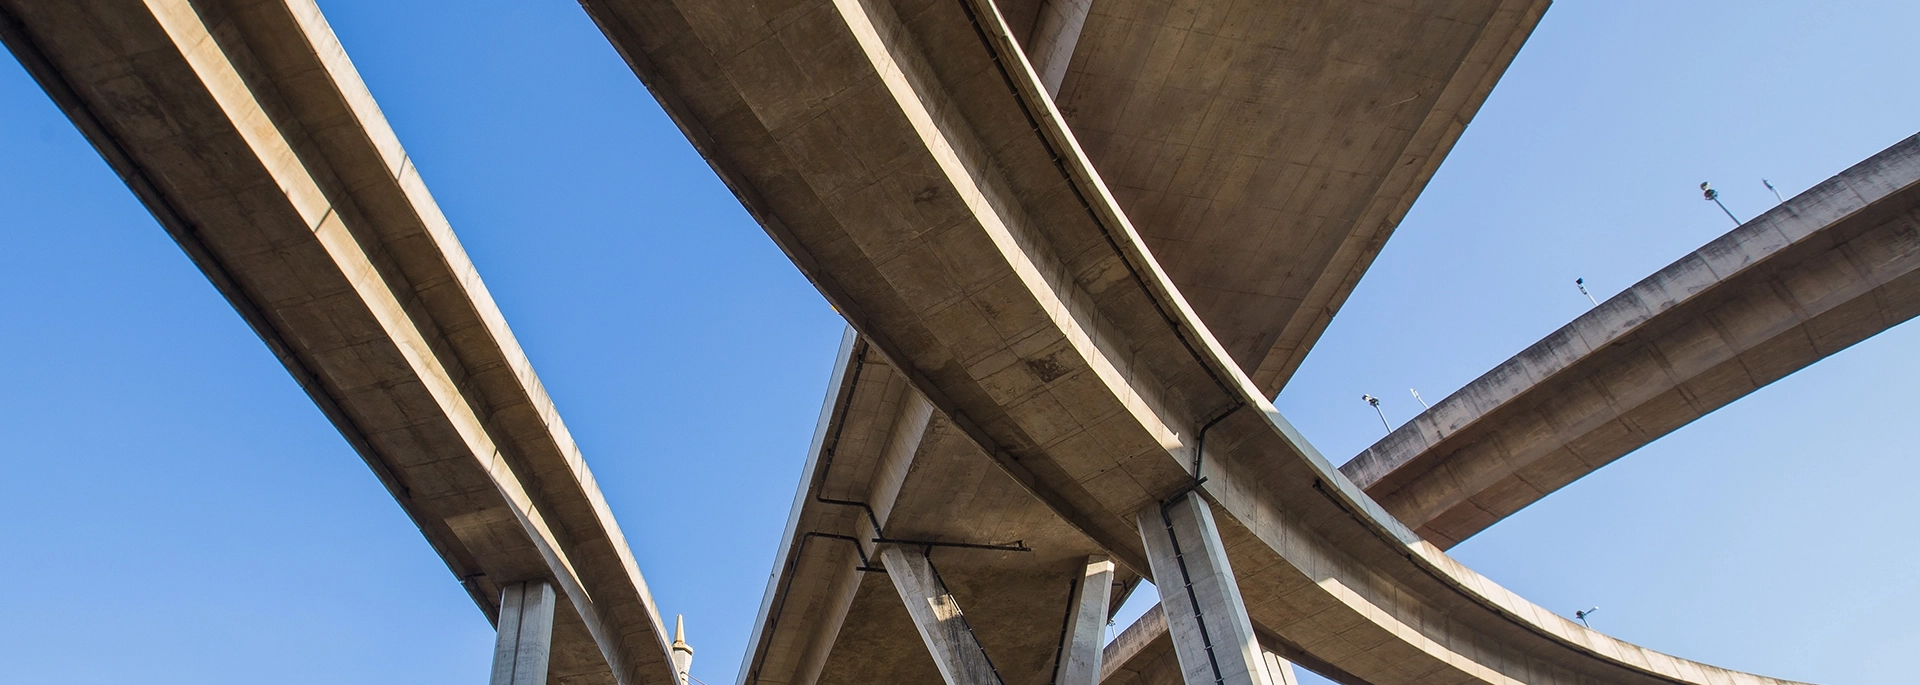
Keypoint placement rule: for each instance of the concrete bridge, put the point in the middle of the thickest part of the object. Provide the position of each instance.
(1080, 245)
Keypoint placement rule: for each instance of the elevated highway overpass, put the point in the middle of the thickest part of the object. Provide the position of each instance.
(1828, 268)
(1822, 271)
(1031, 392)
(1266, 237)
(245, 130)
(912, 163)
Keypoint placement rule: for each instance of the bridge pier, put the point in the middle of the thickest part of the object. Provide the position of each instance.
(525, 641)
(1212, 635)
(937, 616)
(1280, 671)
(1081, 646)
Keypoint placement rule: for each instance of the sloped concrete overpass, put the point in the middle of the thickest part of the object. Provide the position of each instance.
(297, 98)
(244, 129)
(1830, 267)
(912, 164)
(1826, 269)
(1255, 194)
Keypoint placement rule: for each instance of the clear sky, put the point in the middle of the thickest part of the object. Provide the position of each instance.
(176, 511)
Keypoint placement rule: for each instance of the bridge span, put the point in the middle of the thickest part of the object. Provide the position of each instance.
(1080, 244)
(916, 168)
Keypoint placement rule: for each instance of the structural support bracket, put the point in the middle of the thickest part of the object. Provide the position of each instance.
(1212, 636)
(525, 640)
(937, 616)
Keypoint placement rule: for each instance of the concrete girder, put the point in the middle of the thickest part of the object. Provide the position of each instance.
(910, 163)
(1143, 654)
(246, 131)
(1828, 268)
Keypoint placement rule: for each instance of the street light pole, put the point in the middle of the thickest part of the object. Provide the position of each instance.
(1707, 191)
(1776, 191)
(1375, 401)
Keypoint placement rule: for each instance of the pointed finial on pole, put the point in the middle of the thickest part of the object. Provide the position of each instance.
(682, 654)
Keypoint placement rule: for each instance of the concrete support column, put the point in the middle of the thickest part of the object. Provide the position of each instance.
(937, 616)
(1280, 671)
(1055, 34)
(525, 640)
(1212, 636)
(1081, 647)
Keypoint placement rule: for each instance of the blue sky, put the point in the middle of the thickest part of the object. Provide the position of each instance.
(176, 511)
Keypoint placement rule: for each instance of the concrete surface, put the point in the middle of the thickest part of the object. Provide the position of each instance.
(1828, 268)
(1266, 198)
(1266, 150)
(916, 170)
(244, 128)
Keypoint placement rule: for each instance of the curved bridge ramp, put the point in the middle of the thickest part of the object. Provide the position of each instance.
(911, 162)
(247, 132)
(1830, 267)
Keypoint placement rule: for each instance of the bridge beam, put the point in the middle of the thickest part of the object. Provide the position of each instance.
(1143, 654)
